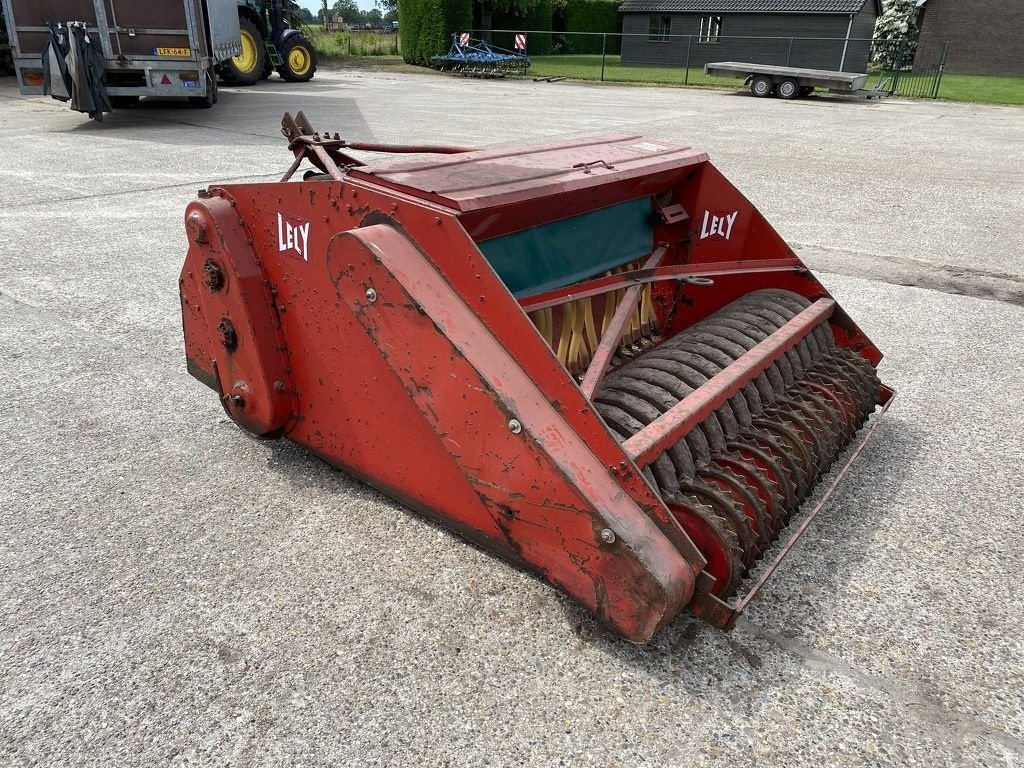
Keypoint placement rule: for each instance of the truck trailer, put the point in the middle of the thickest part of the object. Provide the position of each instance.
(165, 48)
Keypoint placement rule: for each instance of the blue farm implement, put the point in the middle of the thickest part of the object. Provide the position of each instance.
(481, 59)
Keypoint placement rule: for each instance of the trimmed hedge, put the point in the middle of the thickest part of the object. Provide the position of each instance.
(592, 16)
(427, 26)
(538, 19)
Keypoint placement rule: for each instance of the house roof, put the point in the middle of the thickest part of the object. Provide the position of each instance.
(745, 6)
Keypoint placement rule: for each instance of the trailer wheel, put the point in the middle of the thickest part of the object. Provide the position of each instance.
(298, 59)
(207, 101)
(806, 90)
(123, 102)
(788, 89)
(247, 67)
(762, 86)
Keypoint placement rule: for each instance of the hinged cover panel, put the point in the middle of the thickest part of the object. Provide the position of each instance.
(491, 178)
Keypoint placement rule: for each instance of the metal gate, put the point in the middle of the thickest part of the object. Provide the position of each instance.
(917, 80)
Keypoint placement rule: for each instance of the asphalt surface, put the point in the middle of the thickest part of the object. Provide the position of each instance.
(175, 593)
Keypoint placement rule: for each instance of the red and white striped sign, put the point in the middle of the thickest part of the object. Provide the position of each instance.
(464, 38)
(521, 42)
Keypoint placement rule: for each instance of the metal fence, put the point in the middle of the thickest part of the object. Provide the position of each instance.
(680, 59)
(917, 79)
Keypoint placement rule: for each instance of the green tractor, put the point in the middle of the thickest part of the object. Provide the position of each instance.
(269, 42)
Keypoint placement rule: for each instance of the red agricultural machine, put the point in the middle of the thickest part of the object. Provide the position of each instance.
(595, 359)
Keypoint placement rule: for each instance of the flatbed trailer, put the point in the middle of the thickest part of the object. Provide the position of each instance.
(155, 48)
(791, 82)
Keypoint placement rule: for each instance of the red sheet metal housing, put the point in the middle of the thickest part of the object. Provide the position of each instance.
(370, 328)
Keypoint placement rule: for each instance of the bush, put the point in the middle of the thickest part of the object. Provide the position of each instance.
(592, 16)
(427, 26)
(896, 34)
(537, 19)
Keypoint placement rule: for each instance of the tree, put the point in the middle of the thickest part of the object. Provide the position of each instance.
(374, 17)
(896, 34)
(427, 26)
(348, 10)
(488, 7)
(390, 11)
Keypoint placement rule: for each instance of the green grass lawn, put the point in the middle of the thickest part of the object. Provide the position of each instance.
(339, 45)
(588, 67)
(983, 89)
(979, 88)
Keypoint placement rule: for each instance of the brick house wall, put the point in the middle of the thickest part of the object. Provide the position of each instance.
(986, 37)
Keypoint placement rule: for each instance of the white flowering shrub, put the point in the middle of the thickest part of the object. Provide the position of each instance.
(896, 33)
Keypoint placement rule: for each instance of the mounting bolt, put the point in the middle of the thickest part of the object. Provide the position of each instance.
(227, 334)
(608, 536)
(213, 278)
(515, 426)
(371, 295)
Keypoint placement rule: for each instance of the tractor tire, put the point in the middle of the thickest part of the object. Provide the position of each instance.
(762, 86)
(247, 67)
(298, 59)
(788, 89)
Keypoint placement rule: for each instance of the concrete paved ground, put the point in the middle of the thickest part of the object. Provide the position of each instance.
(175, 593)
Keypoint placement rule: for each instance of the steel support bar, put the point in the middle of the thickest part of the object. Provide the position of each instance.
(608, 283)
(610, 340)
(650, 442)
(328, 162)
(407, 149)
(299, 157)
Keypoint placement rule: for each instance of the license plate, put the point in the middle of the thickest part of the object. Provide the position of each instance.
(186, 52)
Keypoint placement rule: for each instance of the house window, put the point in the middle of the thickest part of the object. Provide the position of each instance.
(661, 28)
(710, 29)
